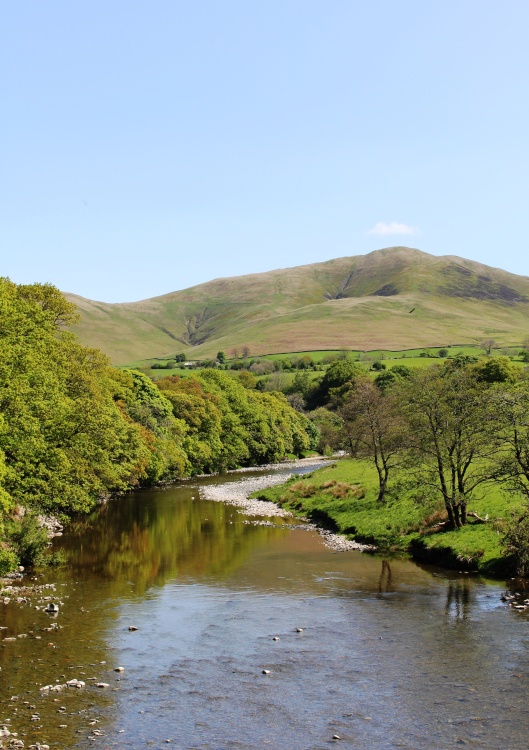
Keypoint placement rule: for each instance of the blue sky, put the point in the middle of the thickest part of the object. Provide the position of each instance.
(150, 146)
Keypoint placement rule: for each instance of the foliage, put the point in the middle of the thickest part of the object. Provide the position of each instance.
(374, 429)
(28, 538)
(453, 434)
(515, 542)
(337, 378)
(73, 429)
(497, 370)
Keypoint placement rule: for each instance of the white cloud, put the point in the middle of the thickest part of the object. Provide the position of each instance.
(392, 227)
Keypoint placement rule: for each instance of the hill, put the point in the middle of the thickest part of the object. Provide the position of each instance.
(360, 302)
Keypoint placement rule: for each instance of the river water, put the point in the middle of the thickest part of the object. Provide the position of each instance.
(390, 654)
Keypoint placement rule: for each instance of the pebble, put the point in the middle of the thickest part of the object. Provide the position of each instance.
(133, 627)
(266, 671)
(75, 683)
(102, 684)
(119, 669)
(275, 638)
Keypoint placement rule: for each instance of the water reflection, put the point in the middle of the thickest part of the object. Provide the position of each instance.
(151, 537)
(458, 599)
(384, 582)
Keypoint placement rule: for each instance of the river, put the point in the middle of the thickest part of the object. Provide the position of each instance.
(252, 636)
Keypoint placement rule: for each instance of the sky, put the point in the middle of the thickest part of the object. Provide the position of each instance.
(150, 146)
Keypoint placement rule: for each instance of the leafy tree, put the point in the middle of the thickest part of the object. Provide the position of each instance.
(454, 434)
(402, 370)
(515, 542)
(339, 374)
(301, 384)
(461, 360)
(510, 403)
(329, 425)
(374, 429)
(221, 356)
(497, 370)
(443, 353)
(247, 379)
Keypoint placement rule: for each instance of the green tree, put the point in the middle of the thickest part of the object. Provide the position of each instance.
(453, 434)
(373, 428)
(497, 370)
(337, 378)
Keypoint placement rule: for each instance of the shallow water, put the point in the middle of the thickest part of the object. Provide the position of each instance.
(391, 655)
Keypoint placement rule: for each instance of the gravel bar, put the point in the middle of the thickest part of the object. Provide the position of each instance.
(237, 494)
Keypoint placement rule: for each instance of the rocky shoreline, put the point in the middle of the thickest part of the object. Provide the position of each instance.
(238, 494)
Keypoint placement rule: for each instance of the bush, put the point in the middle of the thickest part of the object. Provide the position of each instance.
(515, 542)
(29, 539)
(8, 560)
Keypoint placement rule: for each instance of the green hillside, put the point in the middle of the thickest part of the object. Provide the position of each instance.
(362, 302)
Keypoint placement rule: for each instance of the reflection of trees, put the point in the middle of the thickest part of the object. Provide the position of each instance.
(151, 536)
(458, 599)
(131, 544)
(384, 582)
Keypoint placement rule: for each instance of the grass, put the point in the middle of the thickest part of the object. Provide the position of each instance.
(318, 308)
(342, 497)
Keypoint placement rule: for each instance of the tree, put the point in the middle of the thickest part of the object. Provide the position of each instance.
(488, 345)
(277, 381)
(221, 356)
(247, 379)
(374, 429)
(301, 383)
(497, 370)
(515, 542)
(329, 425)
(453, 434)
(337, 378)
(510, 403)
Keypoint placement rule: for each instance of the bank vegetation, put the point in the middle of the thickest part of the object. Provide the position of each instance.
(74, 429)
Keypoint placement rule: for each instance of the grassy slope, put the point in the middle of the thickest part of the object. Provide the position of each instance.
(403, 523)
(339, 303)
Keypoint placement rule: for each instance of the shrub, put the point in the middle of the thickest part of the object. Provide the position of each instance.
(515, 542)
(8, 560)
(29, 539)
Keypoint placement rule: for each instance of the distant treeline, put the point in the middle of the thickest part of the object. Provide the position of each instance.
(73, 428)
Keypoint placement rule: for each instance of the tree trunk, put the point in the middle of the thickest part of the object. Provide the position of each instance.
(450, 512)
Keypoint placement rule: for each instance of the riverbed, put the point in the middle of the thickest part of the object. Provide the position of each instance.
(229, 633)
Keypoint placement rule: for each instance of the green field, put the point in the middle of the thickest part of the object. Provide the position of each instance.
(343, 496)
(407, 357)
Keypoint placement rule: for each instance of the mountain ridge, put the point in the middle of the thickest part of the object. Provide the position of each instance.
(362, 302)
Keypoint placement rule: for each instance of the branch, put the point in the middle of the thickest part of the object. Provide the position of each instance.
(480, 520)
